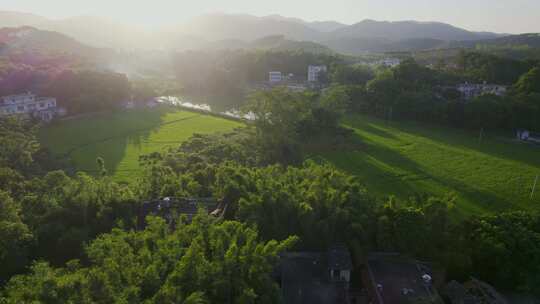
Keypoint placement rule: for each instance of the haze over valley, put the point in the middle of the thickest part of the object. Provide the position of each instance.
(219, 152)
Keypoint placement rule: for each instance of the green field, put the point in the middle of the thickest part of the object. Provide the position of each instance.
(404, 159)
(120, 138)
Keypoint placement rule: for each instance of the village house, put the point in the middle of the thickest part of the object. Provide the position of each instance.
(392, 279)
(472, 90)
(315, 71)
(315, 277)
(275, 76)
(170, 208)
(388, 62)
(29, 104)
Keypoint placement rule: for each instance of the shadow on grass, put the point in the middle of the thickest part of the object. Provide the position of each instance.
(387, 172)
(491, 143)
(374, 129)
(120, 130)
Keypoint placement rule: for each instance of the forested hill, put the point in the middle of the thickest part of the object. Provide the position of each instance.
(239, 30)
(28, 40)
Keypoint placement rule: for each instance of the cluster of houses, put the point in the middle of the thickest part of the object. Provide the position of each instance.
(472, 90)
(30, 105)
(293, 83)
(387, 62)
(331, 277)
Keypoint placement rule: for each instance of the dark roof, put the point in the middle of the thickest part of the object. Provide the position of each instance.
(393, 275)
(339, 258)
(171, 208)
(305, 279)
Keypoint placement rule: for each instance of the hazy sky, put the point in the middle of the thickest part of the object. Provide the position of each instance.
(511, 16)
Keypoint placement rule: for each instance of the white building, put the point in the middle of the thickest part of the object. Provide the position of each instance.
(275, 77)
(314, 72)
(43, 108)
(390, 62)
(472, 90)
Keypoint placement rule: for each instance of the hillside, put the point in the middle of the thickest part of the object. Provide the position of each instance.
(524, 40)
(356, 46)
(28, 39)
(16, 19)
(234, 31)
(403, 30)
(246, 27)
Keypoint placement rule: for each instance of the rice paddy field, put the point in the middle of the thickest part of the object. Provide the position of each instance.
(120, 138)
(408, 159)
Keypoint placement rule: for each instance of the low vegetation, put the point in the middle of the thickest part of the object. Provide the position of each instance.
(488, 175)
(120, 138)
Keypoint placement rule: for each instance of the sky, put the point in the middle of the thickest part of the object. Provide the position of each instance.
(503, 16)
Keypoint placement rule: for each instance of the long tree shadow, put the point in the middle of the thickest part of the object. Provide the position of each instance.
(388, 172)
(491, 143)
(110, 141)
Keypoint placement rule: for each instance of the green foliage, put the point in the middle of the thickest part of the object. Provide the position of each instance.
(481, 67)
(286, 120)
(505, 249)
(529, 83)
(18, 144)
(357, 74)
(419, 227)
(90, 91)
(201, 262)
(409, 158)
(220, 77)
(319, 204)
(120, 138)
(14, 237)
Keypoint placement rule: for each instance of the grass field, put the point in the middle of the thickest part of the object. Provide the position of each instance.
(120, 138)
(404, 159)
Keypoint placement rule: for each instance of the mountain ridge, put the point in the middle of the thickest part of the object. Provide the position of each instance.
(224, 30)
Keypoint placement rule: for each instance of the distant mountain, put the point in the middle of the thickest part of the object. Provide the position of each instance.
(16, 19)
(223, 31)
(273, 43)
(100, 32)
(326, 26)
(27, 39)
(95, 31)
(402, 30)
(280, 43)
(529, 40)
(247, 28)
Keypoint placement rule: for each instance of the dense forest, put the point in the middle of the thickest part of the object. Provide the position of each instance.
(414, 92)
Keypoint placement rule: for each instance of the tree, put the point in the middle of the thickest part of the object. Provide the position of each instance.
(18, 144)
(206, 261)
(529, 83)
(351, 75)
(505, 249)
(278, 117)
(101, 166)
(14, 238)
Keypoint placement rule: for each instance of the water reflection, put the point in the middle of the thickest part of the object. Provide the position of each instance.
(176, 101)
